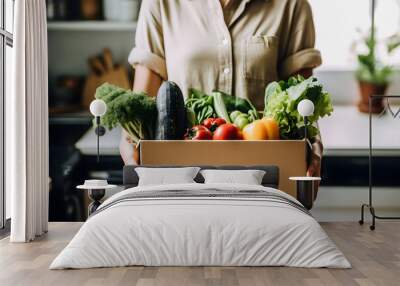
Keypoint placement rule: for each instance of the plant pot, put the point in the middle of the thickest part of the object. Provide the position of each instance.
(366, 90)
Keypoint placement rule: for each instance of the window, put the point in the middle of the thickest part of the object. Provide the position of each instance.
(338, 24)
(6, 43)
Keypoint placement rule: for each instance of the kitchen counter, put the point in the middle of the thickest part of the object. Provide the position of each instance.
(345, 133)
(109, 143)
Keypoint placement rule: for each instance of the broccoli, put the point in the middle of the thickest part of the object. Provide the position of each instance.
(134, 112)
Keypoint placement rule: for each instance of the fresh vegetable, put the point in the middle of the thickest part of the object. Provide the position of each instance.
(227, 131)
(272, 128)
(205, 106)
(190, 118)
(171, 121)
(208, 123)
(281, 100)
(255, 131)
(240, 135)
(135, 112)
(201, 104)
(219, 121)
(253, 115)
(241, 121)
(199, 132)
(235, 114)
(213, 123)
(219, 106)
(243, 105)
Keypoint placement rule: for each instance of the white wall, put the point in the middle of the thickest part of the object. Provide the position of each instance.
(339, 23)
(343, 87)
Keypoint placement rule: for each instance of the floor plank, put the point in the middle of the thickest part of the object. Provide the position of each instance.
(375, 257)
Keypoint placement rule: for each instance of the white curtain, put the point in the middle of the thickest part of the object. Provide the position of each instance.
(27, 124)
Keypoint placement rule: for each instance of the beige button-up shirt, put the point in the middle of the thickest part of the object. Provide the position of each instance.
(238, 49)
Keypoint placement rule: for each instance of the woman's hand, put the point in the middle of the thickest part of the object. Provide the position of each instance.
(127, 149)
(145, 81)
(314, 169)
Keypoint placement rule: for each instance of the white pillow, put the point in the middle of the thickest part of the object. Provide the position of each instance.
(166, 176)
(248, 177)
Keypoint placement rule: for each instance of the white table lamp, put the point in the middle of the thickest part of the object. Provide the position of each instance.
(98, 108)
(305, 108)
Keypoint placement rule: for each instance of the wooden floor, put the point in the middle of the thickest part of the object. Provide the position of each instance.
(375, 257)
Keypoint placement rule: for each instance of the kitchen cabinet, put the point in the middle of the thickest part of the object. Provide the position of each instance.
(70, 44)
(345, 137)
(66, 168)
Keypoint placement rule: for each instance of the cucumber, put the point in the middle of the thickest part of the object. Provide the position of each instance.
(171, 119)
(219, 106)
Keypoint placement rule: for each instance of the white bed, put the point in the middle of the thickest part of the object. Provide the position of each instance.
(184, 230)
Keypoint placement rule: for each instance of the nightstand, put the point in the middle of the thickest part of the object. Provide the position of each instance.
(305, 190)
(96, 191)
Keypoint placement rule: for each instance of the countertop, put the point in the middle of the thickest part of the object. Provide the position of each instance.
(109, 143)
(345, 133)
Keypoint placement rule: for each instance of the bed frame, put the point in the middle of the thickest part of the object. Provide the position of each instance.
(271, 177)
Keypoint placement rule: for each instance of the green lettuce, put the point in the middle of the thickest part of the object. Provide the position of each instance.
(282, 98)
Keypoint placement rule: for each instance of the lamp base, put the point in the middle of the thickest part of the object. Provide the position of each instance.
(100, 130)
(305, 190)
(95, 195)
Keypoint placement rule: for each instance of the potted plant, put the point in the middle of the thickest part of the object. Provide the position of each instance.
(372, 74)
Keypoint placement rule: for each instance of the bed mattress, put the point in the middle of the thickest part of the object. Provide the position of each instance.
(201, 225)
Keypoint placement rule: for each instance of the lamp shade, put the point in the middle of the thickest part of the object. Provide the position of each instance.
(98, 107)
(305, 107)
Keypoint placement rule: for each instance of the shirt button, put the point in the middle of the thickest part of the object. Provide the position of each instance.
(227, 70)
(225, 41)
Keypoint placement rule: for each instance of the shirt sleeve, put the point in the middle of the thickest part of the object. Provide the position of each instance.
(300, 52)
(149, 48)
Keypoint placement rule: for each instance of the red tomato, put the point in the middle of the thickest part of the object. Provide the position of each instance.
(213, 123)
(227, 132)
(199, 132)
(219, 121)
(208, 122)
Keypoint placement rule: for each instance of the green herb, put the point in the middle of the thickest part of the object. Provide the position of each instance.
(135, 112)
(201, 105)
(370, 68)
(205, 106)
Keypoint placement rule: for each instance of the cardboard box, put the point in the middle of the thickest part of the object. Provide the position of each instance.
(288, 155)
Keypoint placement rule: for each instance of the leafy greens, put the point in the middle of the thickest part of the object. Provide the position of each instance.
(135, 112)
(282, 98)
(205, 106)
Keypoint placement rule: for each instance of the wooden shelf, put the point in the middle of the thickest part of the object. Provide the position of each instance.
(91, 26)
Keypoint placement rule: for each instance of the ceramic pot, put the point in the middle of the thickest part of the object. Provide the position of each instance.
(121, 10)
(90, 9)
(366, 90)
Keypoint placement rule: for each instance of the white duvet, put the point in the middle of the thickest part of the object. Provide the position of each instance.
(200, 231)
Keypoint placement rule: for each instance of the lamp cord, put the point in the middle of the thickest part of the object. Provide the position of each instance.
(98, 138)
(305, 127)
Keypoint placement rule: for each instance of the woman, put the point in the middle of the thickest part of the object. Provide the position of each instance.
(236, 46)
